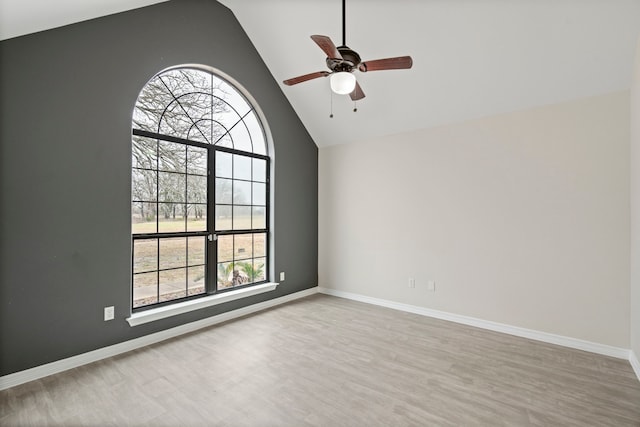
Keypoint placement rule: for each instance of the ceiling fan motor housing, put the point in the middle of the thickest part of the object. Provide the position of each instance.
(350, 60)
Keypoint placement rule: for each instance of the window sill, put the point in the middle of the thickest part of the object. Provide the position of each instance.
(184, 307)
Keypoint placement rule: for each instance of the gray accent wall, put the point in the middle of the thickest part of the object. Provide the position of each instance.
(66, 99)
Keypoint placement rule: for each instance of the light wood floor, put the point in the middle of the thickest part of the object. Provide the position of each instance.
(326, 361)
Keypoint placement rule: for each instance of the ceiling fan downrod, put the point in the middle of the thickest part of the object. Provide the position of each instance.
(344, 25)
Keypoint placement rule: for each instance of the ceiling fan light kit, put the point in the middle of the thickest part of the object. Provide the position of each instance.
(343, 61)
(343, 82)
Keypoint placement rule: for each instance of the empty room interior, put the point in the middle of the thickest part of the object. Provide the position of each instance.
(320, 213)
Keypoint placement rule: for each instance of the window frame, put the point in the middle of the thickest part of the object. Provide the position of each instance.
(217, 233)
(211, 234)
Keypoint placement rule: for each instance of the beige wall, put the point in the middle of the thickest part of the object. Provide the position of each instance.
(521, 218)
(635, 207)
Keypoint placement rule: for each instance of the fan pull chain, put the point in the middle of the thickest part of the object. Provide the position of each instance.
(331, 113)
(355, 106)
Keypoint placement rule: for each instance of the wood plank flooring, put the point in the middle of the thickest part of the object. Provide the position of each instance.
(326, 361)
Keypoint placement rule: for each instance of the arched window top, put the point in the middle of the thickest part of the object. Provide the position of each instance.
(198, 105)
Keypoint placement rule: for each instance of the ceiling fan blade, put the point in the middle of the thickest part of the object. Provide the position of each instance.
(398, 63)
(327, 46)
(357, 93)
(310, 76)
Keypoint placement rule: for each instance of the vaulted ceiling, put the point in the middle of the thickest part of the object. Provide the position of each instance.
(472, 58)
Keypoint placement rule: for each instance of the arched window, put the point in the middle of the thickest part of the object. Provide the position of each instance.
(200, 189)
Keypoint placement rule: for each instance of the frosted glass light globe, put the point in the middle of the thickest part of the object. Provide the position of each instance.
(343, 82)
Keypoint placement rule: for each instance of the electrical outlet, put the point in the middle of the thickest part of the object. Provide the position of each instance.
(109, 313)
(431, 286)
(282, 276)
(412, 282)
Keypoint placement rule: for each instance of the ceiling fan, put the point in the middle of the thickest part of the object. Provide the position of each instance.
(343, 61)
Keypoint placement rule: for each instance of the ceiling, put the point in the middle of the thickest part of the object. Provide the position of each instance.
(472, 58)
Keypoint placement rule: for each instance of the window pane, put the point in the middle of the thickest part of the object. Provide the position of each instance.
(145, 255)
(219, 135)
(144, 185)
(145, 289)
(171, 156)
(224, 274)
(196, 280)
(151, 102)
(260, 244)
(223, 191)
(199, 132)
(241, 192)
(144, 152)
(171, 187)
(196, 255)
(241, 167)
(241, 138)
(239, 275)
(223, 218)
(223, 139)
(260, 170)
(183, 114)
(225, 114)
(197, 160)
(259, 194)
(257, 136)
(183, 81)
(224, 165)
(196, 189)
(197, 114)
(260, 269)
(252, 270)
(259, 218)
(232, 96)
(173, 284)
(241, 217)
(143, 217)
(173, 252)
(171, 217)
(197, 217)
(225, 248)
(243, 246)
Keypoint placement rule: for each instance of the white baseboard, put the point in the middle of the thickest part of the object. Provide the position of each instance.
(635, 364)
(579, 344)
(42, 371)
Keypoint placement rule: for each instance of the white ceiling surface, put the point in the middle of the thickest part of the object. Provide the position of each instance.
(472, 58)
